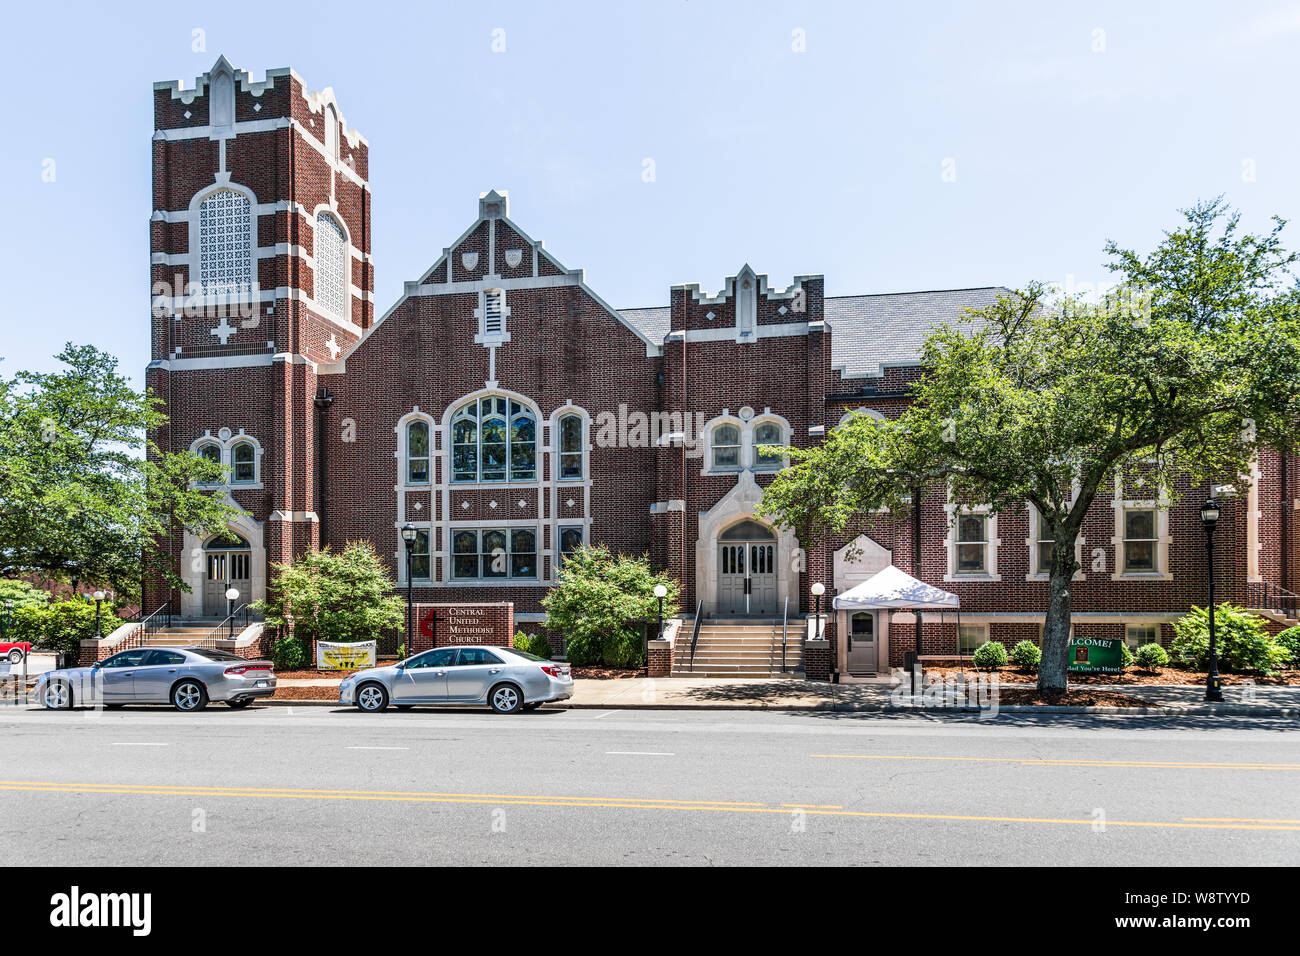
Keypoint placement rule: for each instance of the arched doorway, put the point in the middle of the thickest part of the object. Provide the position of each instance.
(747, 580)
(227, 564)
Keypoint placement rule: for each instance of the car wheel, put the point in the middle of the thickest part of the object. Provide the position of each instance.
(506, 699)
(189, 695)
(57, 696)
(15, 656)
(372, 698)
(239, 704)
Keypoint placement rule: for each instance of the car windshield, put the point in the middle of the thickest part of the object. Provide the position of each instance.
(213, 654)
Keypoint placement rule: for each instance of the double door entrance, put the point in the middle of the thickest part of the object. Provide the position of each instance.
(747, 571)
(228, 565)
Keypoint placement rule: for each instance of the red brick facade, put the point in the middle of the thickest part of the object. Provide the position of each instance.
(614, 427)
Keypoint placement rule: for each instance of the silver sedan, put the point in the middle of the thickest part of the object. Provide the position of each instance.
(186, 677)
(500, 677)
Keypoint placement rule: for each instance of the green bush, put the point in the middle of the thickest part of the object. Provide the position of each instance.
(60, 626)
(334, 597)
(288, 653)
(600, 593)
(22, 594)
(1290, 640)
(1242, 638)
(1027, 655)
(532, 644)
(1126, 658)
(990, 656)
(1152, 657)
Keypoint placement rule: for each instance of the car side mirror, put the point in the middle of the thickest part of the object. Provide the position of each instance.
(400, 665)
(97, 665)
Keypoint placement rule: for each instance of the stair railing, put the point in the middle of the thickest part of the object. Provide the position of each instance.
(1266, 596)
(159, 618)
(785, 624)
(695, 632)
(228, 625)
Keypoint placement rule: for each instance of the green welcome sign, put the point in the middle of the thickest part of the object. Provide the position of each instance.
(1095, 655)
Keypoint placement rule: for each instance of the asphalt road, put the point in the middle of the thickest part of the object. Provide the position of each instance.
(323, 786)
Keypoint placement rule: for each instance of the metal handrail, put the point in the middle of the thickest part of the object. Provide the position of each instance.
(229, 624)
(785, 623)
(695, 632)
(1266, 596)
(159, 618)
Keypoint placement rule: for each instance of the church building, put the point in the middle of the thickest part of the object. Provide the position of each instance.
(510, 414)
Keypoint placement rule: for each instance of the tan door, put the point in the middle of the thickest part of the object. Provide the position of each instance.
(861, 644)
(747, 571)
(228, 565)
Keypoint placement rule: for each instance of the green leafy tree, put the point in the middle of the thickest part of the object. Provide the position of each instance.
(84, 495)
(1241, 640)
(60, 626)
(333, 597)
(599, 595)
(21, 594)
(1180, 376)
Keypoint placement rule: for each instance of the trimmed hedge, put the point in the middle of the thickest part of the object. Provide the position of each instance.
(60, 626)
(990, 656)
(1027, 655)
(1152, 657)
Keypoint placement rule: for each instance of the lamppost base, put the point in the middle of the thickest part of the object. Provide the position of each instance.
(1214, 690)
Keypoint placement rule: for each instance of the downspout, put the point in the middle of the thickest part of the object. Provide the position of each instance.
(324, 399)
(685, 408)
(1284, 553)
(916, 560)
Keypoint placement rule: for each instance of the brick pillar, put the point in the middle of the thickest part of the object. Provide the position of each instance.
(659, 658)
(817, 659)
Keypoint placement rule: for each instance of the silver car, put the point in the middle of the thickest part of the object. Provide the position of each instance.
(186, 677)
(502, 678)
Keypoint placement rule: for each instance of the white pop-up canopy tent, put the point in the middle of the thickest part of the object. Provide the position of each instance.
(892, 589)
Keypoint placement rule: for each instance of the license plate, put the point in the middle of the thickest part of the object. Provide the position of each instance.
(260, 683)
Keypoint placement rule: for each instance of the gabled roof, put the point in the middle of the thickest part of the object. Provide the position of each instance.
(868, 332)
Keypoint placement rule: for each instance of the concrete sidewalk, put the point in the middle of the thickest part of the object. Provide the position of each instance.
(793, 694)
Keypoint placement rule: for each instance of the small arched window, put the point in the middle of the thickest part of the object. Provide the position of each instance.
(417, 453)
(571, 446)
(243, 462)
(210, 451)
(225, 243)
(331, 121)
(332, 279)
(726, 447)
(768, 433)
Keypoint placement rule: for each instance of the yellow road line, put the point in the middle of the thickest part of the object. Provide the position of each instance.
(612, 803)
(1237, 820)
(1036, 762)
(814, 806)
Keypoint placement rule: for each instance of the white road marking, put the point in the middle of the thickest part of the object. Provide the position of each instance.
(638, 753)
(137, 743)
(379, 748)
(605, 714)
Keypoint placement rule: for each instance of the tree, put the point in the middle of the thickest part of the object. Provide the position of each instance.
(20, 594)
(333, 597)
(1183, 373)
(84, 495)
(599, 595)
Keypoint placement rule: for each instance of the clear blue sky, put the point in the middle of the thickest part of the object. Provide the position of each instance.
(830, 160)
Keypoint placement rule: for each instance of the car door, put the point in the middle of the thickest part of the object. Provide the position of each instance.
(475, 672)
(117, 675)
(154, 678)
(423, 679)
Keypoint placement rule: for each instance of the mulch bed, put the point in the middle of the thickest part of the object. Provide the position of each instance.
(305, 693)
(607, 673)
(313, 674)
(1133, 675)
(1021, 697)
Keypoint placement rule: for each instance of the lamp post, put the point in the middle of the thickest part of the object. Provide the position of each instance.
(408, 538)
(661, 592)
(1210, 518)
(818, 589)
(99, 596)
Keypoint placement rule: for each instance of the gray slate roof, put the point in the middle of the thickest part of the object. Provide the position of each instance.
(867, 331)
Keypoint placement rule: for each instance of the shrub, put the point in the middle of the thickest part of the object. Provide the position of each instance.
(1126, 658)
(599, 596)
(288, 653)
(990, 656)
(532, 644)
(1027, 655)
(22, 594)
(1290, 641)
(60, 626)
(1243, 641)
(1152, 657)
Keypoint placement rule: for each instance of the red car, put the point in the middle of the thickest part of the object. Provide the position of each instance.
(14, 650)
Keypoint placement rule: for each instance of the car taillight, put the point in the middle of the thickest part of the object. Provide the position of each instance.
(555, 671)
(245, 668)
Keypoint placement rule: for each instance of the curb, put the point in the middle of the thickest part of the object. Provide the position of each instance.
(1174, 710)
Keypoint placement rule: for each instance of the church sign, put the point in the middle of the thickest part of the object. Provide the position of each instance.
(464, 623)
(1094, 655)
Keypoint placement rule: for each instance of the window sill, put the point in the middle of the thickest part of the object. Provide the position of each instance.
(976, 576)
(1141, 576)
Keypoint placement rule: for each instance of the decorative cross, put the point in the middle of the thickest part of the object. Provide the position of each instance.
(223, 331)
(334, 347)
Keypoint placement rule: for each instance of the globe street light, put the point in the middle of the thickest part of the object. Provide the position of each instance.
(818, 589)
(1210, 517)
(99, 596)
(408, 537)
(661, 592)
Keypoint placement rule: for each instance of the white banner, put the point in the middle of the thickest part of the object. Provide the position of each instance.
(345, 657)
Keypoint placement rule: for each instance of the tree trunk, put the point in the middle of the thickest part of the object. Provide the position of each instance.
(1052, 674)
